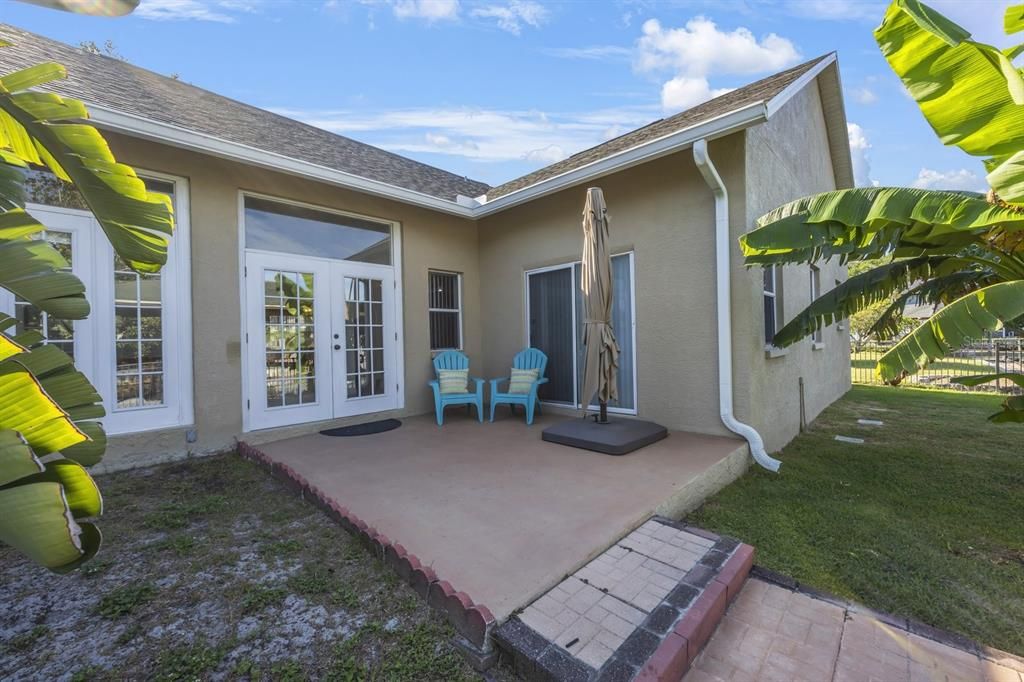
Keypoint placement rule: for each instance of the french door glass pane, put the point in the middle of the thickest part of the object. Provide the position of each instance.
(289, 338)
(364, 337)
(56, 332)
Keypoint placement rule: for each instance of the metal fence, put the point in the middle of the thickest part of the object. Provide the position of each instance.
(982, 357)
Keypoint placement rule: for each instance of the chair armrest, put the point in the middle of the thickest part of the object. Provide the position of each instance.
(433, 383)
(542, 380)
(499, 380)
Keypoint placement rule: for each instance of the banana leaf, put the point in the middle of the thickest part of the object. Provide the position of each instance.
(860, 292)
(873, 222)
(944, 289)
(39, 128)
(33, 269)
(16, 458)
(964, 320)
(969, 92)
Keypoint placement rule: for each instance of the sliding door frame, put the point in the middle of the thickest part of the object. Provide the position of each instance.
(571, 265)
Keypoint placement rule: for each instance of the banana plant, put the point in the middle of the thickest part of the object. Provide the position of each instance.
(49, 412)
(963, 250)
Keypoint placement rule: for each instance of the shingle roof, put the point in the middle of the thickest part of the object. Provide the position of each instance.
(762, 90)
(117, 85)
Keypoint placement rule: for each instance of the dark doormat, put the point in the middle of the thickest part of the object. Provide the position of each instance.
(366, 429)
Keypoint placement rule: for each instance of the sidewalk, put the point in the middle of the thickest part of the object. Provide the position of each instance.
(772, 633)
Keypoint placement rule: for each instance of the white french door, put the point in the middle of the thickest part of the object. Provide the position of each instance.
(321, 339)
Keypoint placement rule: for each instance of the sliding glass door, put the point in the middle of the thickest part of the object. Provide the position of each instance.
(555, 326)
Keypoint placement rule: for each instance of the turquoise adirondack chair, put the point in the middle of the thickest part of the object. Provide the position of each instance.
(529, 358)
(453, 359)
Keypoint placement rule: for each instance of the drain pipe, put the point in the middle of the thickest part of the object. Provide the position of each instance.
(724, 296)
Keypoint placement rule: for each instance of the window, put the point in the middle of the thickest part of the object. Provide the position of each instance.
(135, 346)
(60, 333)
(555, 326)
(364, 336)
(771, 304)
(289, 331)
(445, 309)
(817, 336)
(290, 228)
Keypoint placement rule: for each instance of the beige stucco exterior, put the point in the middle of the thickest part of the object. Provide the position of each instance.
(662, 211)
(429, 240)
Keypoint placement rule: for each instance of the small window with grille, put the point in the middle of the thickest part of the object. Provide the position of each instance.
(444, 301)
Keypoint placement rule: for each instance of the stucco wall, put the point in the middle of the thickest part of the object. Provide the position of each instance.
(787, 158)
(664, 212)
(429, 240)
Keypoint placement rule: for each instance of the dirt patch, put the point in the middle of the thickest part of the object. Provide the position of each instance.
(211, 570)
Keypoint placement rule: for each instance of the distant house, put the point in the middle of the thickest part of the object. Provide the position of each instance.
(312, 276)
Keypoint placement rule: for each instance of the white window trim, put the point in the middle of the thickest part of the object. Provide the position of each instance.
(176, 300)
(770, 349)
(458, 284)
(395, 268)
(818, 336)
(575, 368)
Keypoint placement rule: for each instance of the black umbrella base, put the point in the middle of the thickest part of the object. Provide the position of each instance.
(617, 437)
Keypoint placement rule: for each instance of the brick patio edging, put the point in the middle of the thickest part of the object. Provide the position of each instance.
(473, 622)
(951, 639)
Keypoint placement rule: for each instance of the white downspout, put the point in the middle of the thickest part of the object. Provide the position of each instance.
(724, 296)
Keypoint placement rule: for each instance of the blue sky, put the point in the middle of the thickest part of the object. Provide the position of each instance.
(495, 88)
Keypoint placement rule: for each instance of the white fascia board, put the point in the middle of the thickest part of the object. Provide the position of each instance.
(166, 133)
(720, 126)
(777, 102)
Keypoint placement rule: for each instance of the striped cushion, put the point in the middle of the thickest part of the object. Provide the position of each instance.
(521, 380)
(453, 380)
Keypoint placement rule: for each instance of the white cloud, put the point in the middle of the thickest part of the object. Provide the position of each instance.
(512, 16)
(859, 147)
(683, 92)
(962, 179)
(482, 135)
(864, 95)
(428, 10)
(593, 52)
(837, 10)
(699, 50)
(190, 10)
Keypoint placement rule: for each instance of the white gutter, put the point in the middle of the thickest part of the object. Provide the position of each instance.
(724, 296)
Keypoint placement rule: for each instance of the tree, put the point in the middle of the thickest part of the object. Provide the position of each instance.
(962, 249)
(49, 431)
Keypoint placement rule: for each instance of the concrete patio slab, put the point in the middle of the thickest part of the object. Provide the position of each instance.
(498, 513)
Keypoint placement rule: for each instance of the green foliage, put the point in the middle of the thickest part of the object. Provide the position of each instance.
(47, 407)
(123, 600)
(962, 250)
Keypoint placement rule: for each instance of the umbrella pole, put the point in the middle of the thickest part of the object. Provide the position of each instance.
(602, 412)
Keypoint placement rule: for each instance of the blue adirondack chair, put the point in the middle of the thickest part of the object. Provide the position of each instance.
(453, 359)
(529, 358)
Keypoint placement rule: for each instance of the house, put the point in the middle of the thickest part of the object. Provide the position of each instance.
(312, 276)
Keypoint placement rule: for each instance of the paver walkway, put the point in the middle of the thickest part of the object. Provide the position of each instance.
(771, 633)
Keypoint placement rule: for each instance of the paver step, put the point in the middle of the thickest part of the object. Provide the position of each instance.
(641, 610)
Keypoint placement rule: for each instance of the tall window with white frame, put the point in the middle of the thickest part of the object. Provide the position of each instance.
(771, 304)
(445, 309)
(817, 337)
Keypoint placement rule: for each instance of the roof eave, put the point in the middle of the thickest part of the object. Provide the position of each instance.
(165, 133)
(720, 126)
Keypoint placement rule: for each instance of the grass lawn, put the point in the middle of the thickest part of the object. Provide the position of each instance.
(926, 519)
(210, 569)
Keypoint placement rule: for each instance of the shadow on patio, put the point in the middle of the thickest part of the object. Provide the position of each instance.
(496, 511)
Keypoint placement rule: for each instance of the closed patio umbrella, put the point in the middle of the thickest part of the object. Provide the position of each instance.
(601, 360)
